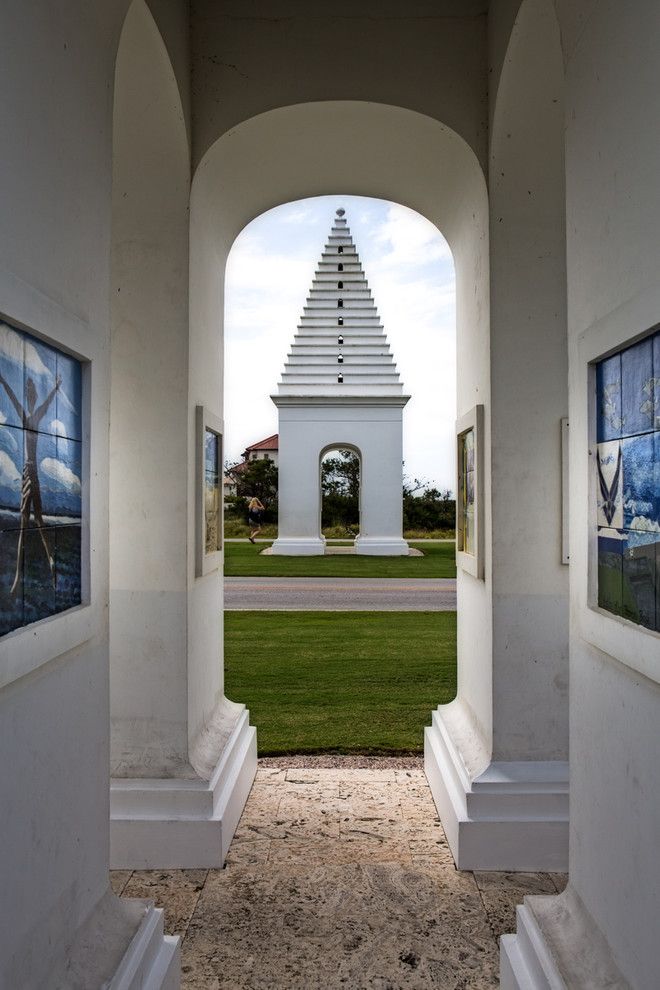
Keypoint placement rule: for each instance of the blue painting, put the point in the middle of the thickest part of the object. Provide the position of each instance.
(40, 479)
(628, 482)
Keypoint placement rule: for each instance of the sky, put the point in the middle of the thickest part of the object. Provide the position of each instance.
(410, 271)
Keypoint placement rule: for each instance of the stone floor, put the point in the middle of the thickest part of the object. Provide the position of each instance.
(338, 878)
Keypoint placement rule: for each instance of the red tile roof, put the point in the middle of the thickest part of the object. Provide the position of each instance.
(270, 443)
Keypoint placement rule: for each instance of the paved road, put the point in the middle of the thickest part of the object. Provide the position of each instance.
(341, 594)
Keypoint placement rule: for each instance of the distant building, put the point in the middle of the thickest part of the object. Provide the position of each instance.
(228, 485)
(264, 450)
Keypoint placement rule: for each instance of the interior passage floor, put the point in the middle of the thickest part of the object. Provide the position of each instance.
(338, 878)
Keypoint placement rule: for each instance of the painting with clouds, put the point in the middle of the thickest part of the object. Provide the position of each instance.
(628, 482)
(40, 479)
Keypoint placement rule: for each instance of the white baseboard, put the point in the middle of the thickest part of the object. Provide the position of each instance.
(525, 960)
(152, 960)
(557, 946)
(292, 547)
(183, 823)
(513, 816)
(381, 547)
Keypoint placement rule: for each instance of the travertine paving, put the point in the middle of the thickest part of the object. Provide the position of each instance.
(338, 878)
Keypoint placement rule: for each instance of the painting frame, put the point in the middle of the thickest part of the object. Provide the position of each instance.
(208, 559)
(28, 648)
(633, 645)
(44, 490)
(469, 492)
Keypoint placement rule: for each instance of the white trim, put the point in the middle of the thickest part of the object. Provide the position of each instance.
(351, 399)
(183, 823)
(525, 960)
(152, 960)
(557, 946)
(512, 816)
(565, 489)
(629, 643)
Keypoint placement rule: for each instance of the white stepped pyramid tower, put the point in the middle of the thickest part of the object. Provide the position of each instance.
(340, 388)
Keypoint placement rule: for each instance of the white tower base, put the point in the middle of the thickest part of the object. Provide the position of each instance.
(292, 546)
(381, 546)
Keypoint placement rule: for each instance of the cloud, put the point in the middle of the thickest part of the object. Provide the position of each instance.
(60, 473)
(57, 427)
(3, 418)
(297, 216)
(9, 473)
(410, 239)
(15, 348)
(8, 439)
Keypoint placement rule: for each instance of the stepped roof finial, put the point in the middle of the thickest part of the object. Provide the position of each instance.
(341, 211)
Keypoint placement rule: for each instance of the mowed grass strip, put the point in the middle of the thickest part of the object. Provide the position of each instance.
(246, 560)
(340, 682)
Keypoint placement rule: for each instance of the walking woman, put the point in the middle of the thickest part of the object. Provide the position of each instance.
(255, 515)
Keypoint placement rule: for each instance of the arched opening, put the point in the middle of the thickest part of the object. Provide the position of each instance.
(400, 156)
(340, 471)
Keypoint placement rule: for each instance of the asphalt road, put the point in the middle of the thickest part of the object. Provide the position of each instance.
(341, 594)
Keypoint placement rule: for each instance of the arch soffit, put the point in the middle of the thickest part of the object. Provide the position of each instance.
(142, 16)
(536, 21)
(339, 147)
(329, 447)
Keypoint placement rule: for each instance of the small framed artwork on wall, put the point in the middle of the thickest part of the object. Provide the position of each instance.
(208, 548)
(469, 492)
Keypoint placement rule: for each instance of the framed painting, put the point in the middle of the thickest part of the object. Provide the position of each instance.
(469, 492)
(626, 484)
(208, 544)
(41, 479)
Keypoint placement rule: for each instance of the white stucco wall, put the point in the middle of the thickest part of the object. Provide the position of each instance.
(613, 215)
(307, 433)
(56, 73)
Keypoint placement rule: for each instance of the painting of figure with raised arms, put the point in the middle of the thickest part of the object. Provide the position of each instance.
(40, 479)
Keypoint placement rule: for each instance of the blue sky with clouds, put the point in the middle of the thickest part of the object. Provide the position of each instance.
(411, 275)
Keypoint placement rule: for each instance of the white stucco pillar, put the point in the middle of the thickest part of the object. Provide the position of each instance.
(182, 756)
(497, 757)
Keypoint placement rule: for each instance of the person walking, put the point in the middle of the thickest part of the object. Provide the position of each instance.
(255, 515)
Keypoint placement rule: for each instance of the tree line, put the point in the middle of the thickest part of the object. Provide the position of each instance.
(424, 507)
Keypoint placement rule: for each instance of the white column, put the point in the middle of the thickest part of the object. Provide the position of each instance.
(182, 756)
(497, 757)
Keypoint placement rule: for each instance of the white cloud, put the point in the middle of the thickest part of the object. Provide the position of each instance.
(3, 418)
(410, 239)
(19, 351)
(297, 216)
(60, 473)
(57, 427)
(9, 473)
(8, 439)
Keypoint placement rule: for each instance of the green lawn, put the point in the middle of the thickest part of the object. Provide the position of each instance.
(348, 682)
(245, 560)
